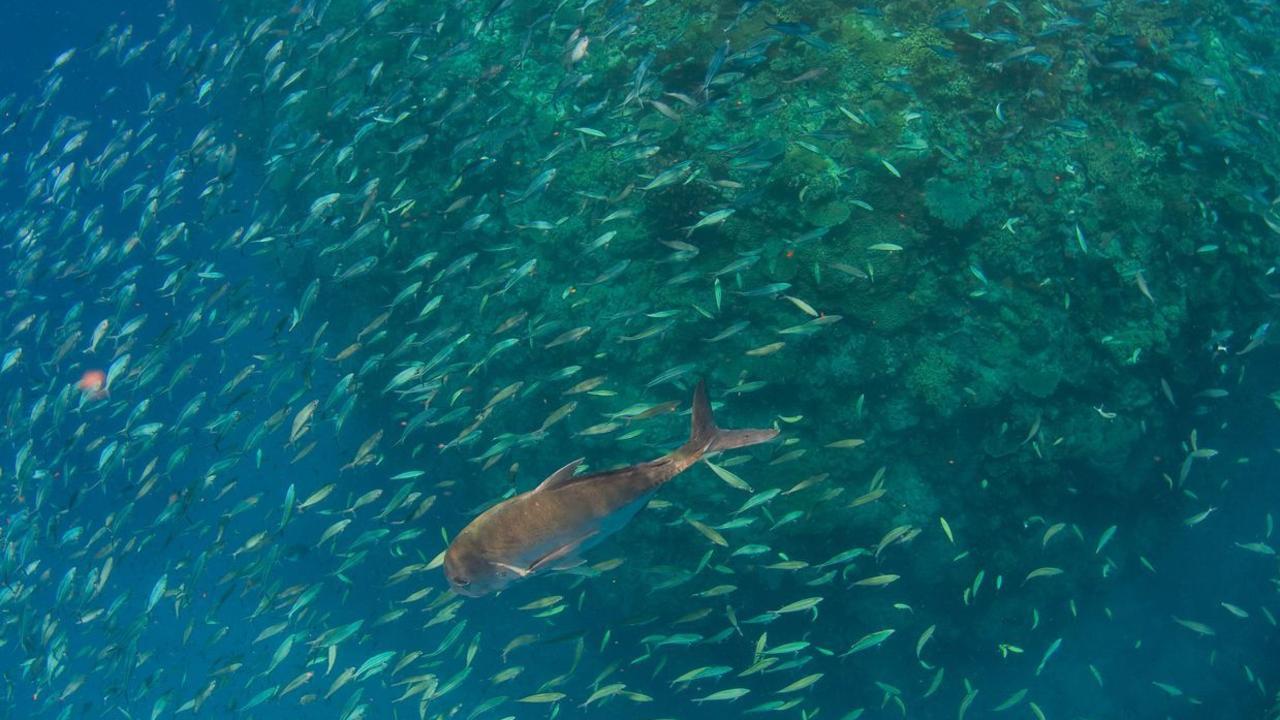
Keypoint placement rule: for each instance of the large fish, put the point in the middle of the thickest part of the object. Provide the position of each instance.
(549, 527)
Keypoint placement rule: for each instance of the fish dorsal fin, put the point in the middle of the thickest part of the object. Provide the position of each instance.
(559, 478)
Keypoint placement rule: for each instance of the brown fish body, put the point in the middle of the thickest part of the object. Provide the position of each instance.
(548, 528)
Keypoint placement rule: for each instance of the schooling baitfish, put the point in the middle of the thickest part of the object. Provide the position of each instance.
(549, 527)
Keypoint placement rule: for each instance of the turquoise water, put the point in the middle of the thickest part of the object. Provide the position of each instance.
(295, 292)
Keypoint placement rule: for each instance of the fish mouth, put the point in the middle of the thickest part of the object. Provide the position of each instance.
(467, 590)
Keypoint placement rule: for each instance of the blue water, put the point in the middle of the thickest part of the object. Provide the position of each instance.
(222, 594)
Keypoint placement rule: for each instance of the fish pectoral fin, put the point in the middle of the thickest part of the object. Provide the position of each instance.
(562, 555)
(518, 571)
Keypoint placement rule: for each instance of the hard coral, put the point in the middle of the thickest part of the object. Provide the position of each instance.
(952, 203)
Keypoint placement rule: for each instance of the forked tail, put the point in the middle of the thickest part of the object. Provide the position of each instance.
(706, 438)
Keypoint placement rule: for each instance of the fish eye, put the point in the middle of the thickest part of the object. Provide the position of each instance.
(460, 581)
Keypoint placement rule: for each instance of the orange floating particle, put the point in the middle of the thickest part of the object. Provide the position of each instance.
(92, 383)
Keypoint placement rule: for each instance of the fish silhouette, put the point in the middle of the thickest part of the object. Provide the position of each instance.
(548, 528)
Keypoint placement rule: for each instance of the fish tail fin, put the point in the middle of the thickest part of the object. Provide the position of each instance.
(706, 438)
